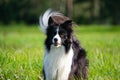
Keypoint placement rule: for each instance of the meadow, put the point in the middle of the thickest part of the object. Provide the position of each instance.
(22, 51)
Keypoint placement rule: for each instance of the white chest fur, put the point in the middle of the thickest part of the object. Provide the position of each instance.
(57, 63)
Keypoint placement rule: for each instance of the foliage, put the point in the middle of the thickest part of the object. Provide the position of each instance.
(21, 11)
(21, 51)
(84, 11)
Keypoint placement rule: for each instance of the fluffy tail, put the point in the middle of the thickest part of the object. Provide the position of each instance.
(43, 20)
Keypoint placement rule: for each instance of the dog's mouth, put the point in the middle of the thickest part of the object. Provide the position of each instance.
(57, 44)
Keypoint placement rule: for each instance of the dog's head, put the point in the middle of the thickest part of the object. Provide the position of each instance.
(58, 29)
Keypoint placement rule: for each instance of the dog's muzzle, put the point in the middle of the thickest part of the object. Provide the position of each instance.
(56, 43)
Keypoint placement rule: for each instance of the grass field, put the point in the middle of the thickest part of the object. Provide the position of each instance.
(21, 51)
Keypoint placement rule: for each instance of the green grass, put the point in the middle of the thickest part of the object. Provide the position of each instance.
(21, 51)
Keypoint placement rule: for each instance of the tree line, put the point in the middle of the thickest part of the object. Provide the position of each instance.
(81, 11)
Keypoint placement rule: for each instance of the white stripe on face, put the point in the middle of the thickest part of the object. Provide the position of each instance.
(57, 39)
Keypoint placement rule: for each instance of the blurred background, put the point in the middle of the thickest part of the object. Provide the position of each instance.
(81, 11)
(22, 43)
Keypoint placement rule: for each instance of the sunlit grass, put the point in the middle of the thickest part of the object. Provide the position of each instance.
(21, 51)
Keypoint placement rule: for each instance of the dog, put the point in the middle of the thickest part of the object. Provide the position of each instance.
(64, 58)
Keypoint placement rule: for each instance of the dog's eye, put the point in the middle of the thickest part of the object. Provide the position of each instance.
(63, 35)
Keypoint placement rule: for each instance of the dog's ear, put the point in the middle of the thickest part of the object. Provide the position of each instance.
(51, 22)
(67, 24)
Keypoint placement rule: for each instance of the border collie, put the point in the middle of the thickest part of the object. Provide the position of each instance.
(64, 58)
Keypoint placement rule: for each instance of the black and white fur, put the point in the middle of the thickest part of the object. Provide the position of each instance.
(64, 58)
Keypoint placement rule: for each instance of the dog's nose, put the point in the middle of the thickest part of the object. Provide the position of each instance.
(55, 39)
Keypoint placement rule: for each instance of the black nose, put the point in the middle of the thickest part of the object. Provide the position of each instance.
(55, 39)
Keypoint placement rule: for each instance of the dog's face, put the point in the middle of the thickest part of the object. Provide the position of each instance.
(58, 34)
